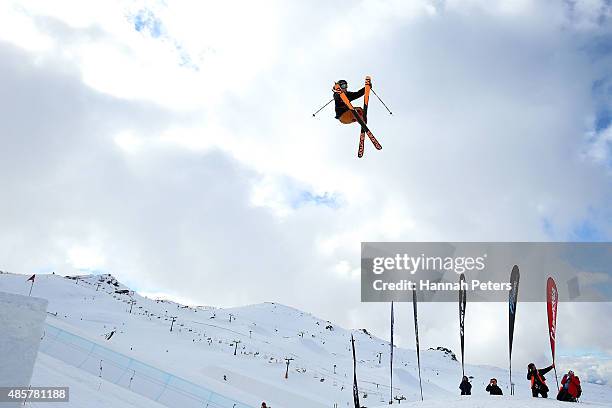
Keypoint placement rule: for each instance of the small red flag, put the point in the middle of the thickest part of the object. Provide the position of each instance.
(31, 278)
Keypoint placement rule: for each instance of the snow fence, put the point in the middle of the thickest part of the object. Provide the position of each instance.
(126, 372)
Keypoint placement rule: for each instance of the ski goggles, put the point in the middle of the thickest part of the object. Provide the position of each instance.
(343, 85)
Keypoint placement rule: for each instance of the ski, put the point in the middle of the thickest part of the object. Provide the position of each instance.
(366, 99)
(361, 143)
(373, 140)
(357, 117)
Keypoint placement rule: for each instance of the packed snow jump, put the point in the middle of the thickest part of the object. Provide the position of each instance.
(346, 113)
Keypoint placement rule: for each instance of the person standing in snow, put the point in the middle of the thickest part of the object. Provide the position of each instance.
(538, 381)
(465, 386)
(493, 388)
(570, 388)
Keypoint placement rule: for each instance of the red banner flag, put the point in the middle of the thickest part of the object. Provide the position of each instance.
(552, 298)
(31, 278)
(551, 307)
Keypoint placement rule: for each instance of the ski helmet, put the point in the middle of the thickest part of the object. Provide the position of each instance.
(343, 84)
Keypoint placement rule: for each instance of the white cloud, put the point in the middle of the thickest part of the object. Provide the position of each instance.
(128, 141)
(185, 176)
(82, 257)
(18, 28)
(591, 368)
(600, 146)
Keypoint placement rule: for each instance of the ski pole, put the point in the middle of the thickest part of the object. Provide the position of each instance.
(321, 108)
(381, 101)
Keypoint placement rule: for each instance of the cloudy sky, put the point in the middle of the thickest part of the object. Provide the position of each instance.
(172, 144)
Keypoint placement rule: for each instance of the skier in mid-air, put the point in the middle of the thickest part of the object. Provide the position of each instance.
(538, 381)
(346, 113)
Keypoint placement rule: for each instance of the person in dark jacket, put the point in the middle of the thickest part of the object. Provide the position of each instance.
(465, 386)
(342, 112)
(493, 388)
(538, 381)
(570, 388)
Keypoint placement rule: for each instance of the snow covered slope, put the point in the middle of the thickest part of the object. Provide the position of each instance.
(240, 353)
(495, 402)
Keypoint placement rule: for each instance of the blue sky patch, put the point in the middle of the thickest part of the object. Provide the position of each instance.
(602, 93)
(583, 231)
(146, 22)
(602, 120)
(547, 226)
(306, 197)
(586, 231)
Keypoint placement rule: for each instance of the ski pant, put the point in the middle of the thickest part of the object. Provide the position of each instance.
(535, 392)
(348, 117)
(565, 396)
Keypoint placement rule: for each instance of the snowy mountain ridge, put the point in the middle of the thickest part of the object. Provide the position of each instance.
(242, 353)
